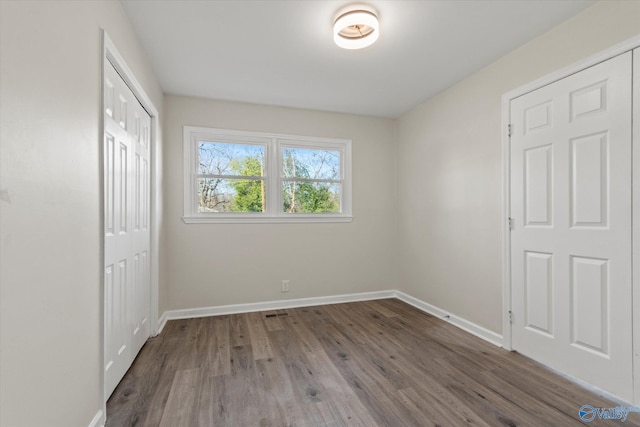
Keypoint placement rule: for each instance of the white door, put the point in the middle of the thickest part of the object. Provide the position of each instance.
(636, 220)
(126, 227)
(571, 225)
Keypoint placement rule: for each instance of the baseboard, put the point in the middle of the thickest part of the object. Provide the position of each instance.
(461, 323)
(98, 420)
(589, 387)
(161, 322)
(269, 305)
(464, 324)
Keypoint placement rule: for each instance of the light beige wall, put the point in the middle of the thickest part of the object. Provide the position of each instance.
(50, 251)
(218, 264)
(449, 168)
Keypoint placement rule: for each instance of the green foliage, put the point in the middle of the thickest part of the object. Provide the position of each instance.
(298, 197)
(309, 197)
(249, 193)
(306, 197)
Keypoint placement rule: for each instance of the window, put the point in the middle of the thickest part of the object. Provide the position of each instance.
(233, 176)
(230, 177)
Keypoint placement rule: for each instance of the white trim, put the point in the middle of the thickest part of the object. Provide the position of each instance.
(464, 324)
(253, 219)
(459, 322)
(250, 136)
(506, 228)
(592, 60)
(220, 310)
(273, 144)
(585, 385)
(618, 49)
(111, 54)
(162, 322)
(98, 420)
(635, 209)
(101, 121)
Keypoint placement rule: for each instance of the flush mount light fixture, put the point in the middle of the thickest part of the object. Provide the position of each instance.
(356, 27)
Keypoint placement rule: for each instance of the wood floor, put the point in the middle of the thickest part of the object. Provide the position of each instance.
(375, 363)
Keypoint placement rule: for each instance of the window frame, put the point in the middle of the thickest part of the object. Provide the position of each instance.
(273, 164)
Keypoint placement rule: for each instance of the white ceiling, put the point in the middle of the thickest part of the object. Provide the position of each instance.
(281, 52)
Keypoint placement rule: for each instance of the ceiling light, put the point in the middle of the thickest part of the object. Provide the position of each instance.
(355, 28)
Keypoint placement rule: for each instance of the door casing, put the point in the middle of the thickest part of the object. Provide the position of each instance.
(110, 54)
(625, 46)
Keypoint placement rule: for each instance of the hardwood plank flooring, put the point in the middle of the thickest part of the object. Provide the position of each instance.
(373, 363)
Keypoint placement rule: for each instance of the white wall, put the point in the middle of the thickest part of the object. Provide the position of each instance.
(50, 259)
(449, 168)
(448, 187)
(219, 264)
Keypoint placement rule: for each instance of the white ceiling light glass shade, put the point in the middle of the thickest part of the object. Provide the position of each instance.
(356, 29)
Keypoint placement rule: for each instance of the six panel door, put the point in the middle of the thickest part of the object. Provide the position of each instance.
(571, 235)
(126, 227)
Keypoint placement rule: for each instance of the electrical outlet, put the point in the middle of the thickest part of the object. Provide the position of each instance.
(285, 286)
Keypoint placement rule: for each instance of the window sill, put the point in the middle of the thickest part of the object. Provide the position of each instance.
(255, 219)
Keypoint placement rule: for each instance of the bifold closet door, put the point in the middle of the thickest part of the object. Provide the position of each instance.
(636, 222)
(126, 227)
(571, 245)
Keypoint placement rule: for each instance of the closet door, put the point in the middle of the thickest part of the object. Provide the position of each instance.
(571, 163)
(126, 227)
(636, 219)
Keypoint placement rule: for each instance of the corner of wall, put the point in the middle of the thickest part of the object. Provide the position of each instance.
(396, 235)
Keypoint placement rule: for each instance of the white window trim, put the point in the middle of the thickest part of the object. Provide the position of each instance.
(273, 144)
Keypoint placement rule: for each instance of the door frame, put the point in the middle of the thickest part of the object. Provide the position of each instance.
(592, 60)
(110, 54)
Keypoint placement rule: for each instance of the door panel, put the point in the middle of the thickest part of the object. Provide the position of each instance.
(589, 180)
(589, 303)
(126, 222)
(571, 237)
(538, 202)
(538, 282)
